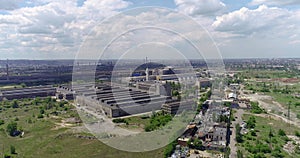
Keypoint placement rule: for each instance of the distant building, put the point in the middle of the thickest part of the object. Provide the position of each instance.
(204, 83)
(29, 92)
(232, 96)
(234, 86)
(65, 92)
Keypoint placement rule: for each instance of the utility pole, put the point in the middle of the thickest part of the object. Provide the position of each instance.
(270, 136)
(3, 149)
(289, 109)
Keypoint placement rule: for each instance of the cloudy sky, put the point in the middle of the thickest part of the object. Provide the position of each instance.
(55, 29)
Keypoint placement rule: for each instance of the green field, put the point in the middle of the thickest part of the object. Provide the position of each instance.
(45, 137)
(259, 143)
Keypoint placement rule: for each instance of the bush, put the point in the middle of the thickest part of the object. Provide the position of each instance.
(253, 133)
(277, 153)
(239, 136)
(281, 132)
(120, 121)
(169, 149)
(239, 154)
(42, 111)
(1, 122)
(259, 155)
(297, 133)
(12, 128)
(12, 149)
(14, 104)
(251, 122)
(7, 156)
(157, 121)
(40, 116)
(255, 108)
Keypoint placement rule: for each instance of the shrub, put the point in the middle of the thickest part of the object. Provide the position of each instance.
(169, 149)
(1, 122)
(7, 156)
(40, 116)
(251, 122)
(120, 121)
(12, 128)
(14, 104)
(12, 149)
(255, 108)
(239, 136)
(281, 132)
(297, 133)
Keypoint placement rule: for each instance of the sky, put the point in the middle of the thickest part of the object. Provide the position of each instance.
(56, 29)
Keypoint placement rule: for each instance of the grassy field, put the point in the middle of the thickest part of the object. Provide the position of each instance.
(262, 130)
(136, 123)
(46, 137)
(285, 99)
(274, 83)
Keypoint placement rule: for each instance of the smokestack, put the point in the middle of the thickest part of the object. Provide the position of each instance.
(7, 70)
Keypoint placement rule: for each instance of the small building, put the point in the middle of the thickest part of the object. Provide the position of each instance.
(232, 96)
(176, 107)
(204, 83)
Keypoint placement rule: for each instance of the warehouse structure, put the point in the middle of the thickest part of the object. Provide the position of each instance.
(30, 92)
(116, 101)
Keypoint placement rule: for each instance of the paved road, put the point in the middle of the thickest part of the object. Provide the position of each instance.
(232, 145)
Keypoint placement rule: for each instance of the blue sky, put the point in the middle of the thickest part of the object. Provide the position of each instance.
(50, 29)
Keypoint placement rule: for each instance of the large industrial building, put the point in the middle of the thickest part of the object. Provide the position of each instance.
(30, 92)
(116, 101)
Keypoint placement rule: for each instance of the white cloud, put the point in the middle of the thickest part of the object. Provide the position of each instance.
(52, 26)
(262, 20)
(275, 2)
(261, 32)
(199, 7)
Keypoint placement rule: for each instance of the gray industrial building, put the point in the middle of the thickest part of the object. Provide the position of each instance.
(116, 101)
(30, 92)
(65, 92)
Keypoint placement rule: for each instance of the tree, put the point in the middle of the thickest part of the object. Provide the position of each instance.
(239, 154)
(255, 108)
(12, 128)
(23, 85)
(175, 93)
(169, 149)
(197, 144)
(251, 122)
(1, 122)
(239, 136)
(7, 156)
(15, 104)
(297, 133)
(12, 149)
(42, 111)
